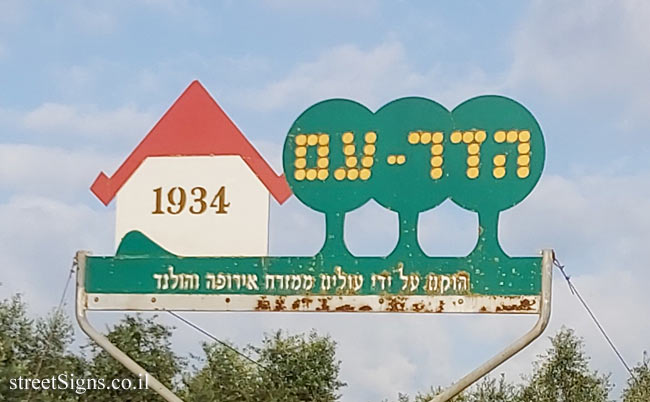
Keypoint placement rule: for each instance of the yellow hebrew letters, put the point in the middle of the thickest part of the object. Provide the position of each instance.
(523, 152)
(320, 171)
(473, 139)
(427, 138)
(357, 167)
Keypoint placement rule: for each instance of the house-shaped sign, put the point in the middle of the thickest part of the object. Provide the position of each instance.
(195, 185)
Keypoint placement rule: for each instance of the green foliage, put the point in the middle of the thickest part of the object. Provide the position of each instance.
(563, 374)
(487, 390)
(492, 390)
(53, 336)
(34, 349)
(301, 369)
(16, 343)
(638, 386)
(223, 376)
(291, 369)
(146, 342)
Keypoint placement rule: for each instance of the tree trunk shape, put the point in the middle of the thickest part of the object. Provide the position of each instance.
(334, 235)
(408, 244)
(488, 235)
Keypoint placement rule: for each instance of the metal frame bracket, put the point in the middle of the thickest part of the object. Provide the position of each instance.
(519, 344)
(114, 351)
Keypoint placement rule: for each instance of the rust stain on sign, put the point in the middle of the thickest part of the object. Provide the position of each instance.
(323, 304)
(279, 304)
(397, 303)
(523, 305)
(343, 303)
(345, 307)
(307, 301)
(263, 304)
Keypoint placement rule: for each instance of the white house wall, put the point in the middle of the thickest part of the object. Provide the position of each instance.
(241, 231)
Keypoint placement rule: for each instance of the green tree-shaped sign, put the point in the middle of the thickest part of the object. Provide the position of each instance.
(328, 164)
(498, 152)
(410, 177)
(412, 154)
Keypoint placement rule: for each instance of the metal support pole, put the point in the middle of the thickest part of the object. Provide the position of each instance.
(102, 341)
(519, 344)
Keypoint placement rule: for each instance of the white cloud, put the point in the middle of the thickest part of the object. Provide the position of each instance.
(50, 171)
(38, 239)
(371, 230)
(447, 230)
(270, 151)
(99, 18)
(88, 121)
(172, 6)
(12, 15)
(106, 18)
(295, 229)
(337, 7)
(13, 11)
(372, 77)
(344, 71)
(585, 48)
(583, 217)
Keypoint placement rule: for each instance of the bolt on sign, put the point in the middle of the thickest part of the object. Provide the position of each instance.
(192, 210)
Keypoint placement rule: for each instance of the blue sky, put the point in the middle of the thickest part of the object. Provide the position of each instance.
(82, 82)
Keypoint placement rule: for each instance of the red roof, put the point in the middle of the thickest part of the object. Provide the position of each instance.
(194, 125)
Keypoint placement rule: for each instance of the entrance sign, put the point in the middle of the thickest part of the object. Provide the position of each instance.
(193, 205)
(411, 155)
